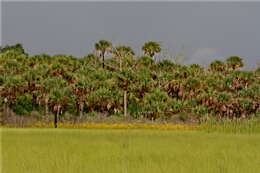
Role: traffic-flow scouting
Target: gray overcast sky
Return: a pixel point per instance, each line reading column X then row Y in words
column 205, row 30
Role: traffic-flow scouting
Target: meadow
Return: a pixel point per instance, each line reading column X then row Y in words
column 127, row 150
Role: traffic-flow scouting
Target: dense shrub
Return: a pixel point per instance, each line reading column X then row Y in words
column 23, row 105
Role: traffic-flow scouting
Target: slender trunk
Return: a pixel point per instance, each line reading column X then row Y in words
column 81, row 107
column 125, row 103
column 6, row 112
column 120, row 63
column 103, row 60
column 56, row 120
column 56, row 116
column 46, row 101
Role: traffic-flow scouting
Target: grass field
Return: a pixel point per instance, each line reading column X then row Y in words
column 127, row 151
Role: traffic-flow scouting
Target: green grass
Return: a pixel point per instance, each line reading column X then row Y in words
column 127, row 151
column 245, row 126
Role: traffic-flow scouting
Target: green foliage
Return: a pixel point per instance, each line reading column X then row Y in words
column 257, row 71
column 199, row 110
column 123, row 51
column 234, row 62
column 253, row 91
column 165, row 65
column 145, row 61
column 23, row 105
column 176, row 105
column 224, row 97
column 217, row 66
column 212, row 82
column 156, row 102
column 192, row 82
column 2, row 80
column 1, row 102
column 103, row 46
column 91, row 58
column 135, row 110
column 17, row 48
column 150, row 48
column 104, row 99
column 60, row 96
column 192, row 102
column 154, row 89
column 246, row 104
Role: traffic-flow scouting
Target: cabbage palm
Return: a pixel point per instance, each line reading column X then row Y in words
column 125, row 78
column 217, row 66
column 80, row 89
column 17, row 48
column 103, row 46
column 234, row 62
column 59, row 97
column 123, row 51
column 150, row 48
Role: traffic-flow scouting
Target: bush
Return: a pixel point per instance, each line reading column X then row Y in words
column 224, row 97
column 192, row 102
column 176, row 105
column 199, row 110
column 156, row 102
column 246, row 104
column 135, row 110
column 23, row 105
column 145, row 60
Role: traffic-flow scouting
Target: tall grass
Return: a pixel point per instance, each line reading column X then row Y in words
column 131, row 151
column 232, row 126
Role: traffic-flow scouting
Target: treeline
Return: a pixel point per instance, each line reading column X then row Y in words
column 113, row 81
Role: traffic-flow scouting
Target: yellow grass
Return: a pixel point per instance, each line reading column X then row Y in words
column 92, row 125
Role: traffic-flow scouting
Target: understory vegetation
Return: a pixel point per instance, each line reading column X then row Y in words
column 114, row 81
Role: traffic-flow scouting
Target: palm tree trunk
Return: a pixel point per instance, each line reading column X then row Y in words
column 56, row 116
column 56, row 120
column 120, row 63
column 103, row 60
column 125, row 103
column 81, row 107
column 6, row 108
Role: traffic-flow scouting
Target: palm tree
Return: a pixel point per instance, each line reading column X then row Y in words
column 18, row 48
column 234, row 62
column 46, row 85
column 217, row 66
column 59, row 97
column 103, row 46
column 123, row 51
column 150, row 48
column 80, row 89
column 125, row 78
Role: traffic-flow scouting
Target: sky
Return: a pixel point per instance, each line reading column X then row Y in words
column 204, row 31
